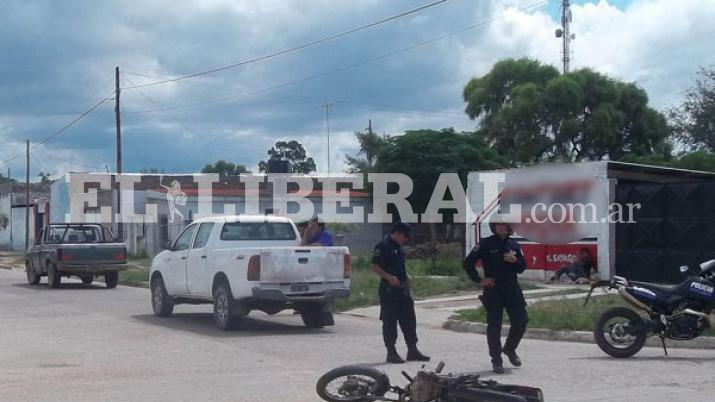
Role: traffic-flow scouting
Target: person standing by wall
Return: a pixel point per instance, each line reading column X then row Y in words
column 502, row 260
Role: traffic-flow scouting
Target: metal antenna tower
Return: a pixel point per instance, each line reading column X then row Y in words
column 565, row 34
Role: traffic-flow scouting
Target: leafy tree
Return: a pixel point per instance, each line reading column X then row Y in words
column 370, row 146
column 698, row 160
column 44, row 177
column 4, row 179
column 424, row 154
column 694, row 119
column 294, row 153
column 224, row 168
column 529, row 113
column 151, row 170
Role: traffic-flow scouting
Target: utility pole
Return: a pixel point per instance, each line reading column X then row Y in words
column 9, row 178
column 565, row 34
column 327, row 106
column 27, row 195
column 118, row 120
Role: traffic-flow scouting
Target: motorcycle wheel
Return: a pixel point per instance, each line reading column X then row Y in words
column 611, row 335
column 353, row 384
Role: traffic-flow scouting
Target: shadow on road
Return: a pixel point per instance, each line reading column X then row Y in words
column 641, row 359
column 203, row 324
column 71, row 285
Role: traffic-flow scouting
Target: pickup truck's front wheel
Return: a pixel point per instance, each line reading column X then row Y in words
column 224, row 308
column 161, row 302
column 111, row 279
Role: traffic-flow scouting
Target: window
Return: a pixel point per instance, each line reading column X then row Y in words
column 258, row 231
column 202, row 236
column 182, row 242
column 54, row 234
column 82, row 235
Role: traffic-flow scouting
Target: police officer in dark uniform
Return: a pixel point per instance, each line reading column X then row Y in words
column 396, row 303
column 502, row 260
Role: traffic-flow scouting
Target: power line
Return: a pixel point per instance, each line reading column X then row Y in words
column 292, row 49
column 60, row 131
column 336, row 70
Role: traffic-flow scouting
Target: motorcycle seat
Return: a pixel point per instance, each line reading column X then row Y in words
column 664, row 290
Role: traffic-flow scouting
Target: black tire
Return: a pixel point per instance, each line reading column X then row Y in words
column 225, row 314
column 53, row 276
column 314, row 317
column 634, row 342
column 33, row 278
column 87, row 280
column 111, row 279
column 380, row 384
column 161, row 302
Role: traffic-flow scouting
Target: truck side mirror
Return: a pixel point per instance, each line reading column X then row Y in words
column 168, row 246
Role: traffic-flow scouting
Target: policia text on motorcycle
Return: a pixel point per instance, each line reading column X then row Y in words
column 502, row 260
column 396, row 303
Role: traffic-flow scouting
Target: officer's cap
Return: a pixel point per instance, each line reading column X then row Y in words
column 499, row 219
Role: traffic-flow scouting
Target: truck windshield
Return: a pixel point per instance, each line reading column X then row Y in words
column 258, row 231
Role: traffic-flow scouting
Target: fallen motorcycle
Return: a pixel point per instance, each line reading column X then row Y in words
column 366, row 384
column 679, row 312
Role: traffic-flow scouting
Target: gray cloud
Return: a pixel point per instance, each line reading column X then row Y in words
column 60, row 53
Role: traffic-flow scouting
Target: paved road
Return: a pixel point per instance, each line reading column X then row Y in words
column 82, row 343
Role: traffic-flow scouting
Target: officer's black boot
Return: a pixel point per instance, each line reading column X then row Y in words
column 393, row 356
column 414, row 355
column 513, row 358
column 498, row 367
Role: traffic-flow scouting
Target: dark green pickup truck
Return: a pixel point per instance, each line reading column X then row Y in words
column 86, row 250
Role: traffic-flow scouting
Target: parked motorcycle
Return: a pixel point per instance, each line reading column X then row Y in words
column 366, row 384
column 679, row 312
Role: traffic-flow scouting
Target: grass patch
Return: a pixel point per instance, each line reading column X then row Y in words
column 561, row 314
column 137, row 271
column 447, row 278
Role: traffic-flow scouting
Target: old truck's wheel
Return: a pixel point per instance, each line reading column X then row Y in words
column 53, row 276
column 87, row 280
column 111, row 279
column 161, row 302
column 32, row 277
column 225, row 315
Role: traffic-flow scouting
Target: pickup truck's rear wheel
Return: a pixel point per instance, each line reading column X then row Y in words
column 32, row 277
column 87, row 280
column 53, row 277
column 224, row 308
column 111, row 279
column 314, row 316
column 161, row 302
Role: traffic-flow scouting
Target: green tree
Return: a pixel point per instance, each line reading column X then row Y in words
column 529, row 113
column 424, row 154
column 697, row 160
column 44, row 177
column 294, row 153
column 370, row 146
column 224, row 168
column 151, row 170
column 694, row 119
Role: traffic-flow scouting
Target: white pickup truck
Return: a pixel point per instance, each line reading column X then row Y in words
column 243, row 263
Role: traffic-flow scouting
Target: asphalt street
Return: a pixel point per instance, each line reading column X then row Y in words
column 88, row 343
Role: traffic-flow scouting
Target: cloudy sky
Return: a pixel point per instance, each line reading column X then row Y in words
column 58, row 61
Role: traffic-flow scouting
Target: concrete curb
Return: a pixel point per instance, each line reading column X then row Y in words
column 572, row 336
